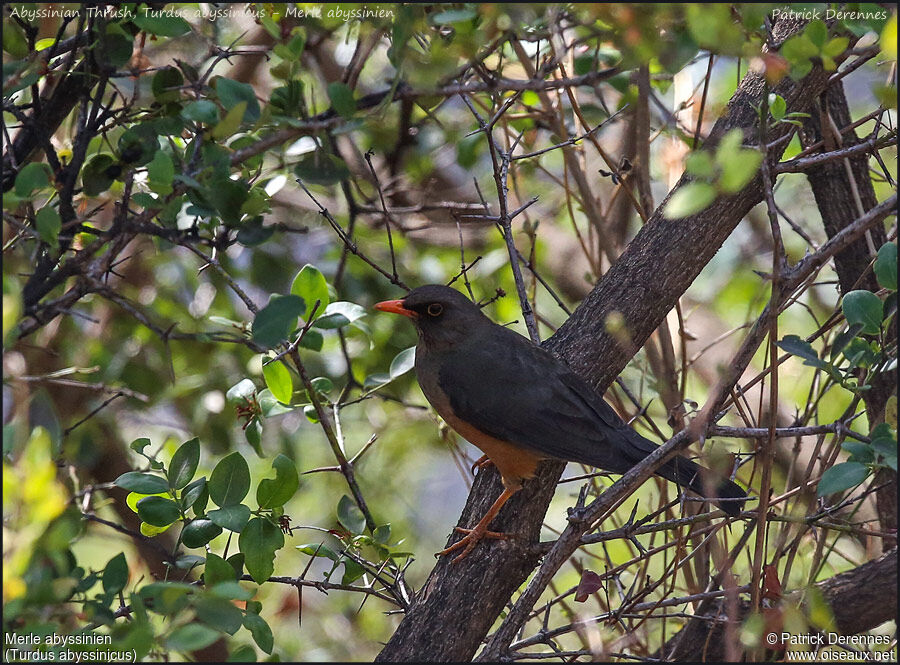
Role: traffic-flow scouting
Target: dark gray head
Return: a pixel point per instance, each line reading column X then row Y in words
column 443, row 316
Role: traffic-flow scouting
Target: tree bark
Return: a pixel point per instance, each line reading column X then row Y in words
column 860, row 599
column 461, row 601
column 835, row 195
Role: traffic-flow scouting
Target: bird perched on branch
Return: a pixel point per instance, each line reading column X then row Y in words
column 520, row 404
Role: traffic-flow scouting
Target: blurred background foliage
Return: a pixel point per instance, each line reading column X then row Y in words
column 162, row 331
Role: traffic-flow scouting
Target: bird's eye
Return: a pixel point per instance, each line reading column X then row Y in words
column 435, row 309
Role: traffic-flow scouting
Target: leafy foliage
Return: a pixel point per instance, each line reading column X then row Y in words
column 165, row 175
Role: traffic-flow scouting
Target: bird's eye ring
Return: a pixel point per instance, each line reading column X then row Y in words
column 435, row 309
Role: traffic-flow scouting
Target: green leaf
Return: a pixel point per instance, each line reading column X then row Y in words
column 738, row 169
column 275, row 493
column 196, row 494
column 297, row 42
column 14, row 41
column 96, row 176
column 115, row 575
column 859, row 451
column 230, row 480
column 35, row 175
column 403, row 362
column 700, row 164
column 20, row 75
column 583, row 64
column 259, row 541
column 350, row 516
column 315, row 549
column 375, row 380
column 817, row 32
column 138, row 445
column 886, row 266
column 288, row 99
column 143, row 483
column 798, row 50
column 690, row 199
column 310, row 285
column 242, row 654
column 712, row 26
column 191, row 637
column 270, row 406
column 188, row 561
column 450, row 16
column 339, row 314
column 199, row 532
column 138, row 145
column 352, row 571
column 341, row 97
column 887, row 450
column 841, row 477
column 160, row 173
column 257, row 203
column 260, row 631
column 231, row 122
column 162, row 24
column 835, row 47
column 859, row 353
column 882, row 430
column 166, row 84
column 217, row 570
column 467, row 150
column 863, row 307
column 382, row 534
column 218, row 613
column 166, row 598
column 729, row 145
column 253, row 232
column 275, row 321
column 202, row 110
column 884, row 443
column 48, row 224
column 321, row 168
column 231, row 93
column 253, row 434
column 133, row 497
column 800, row 347
column 312, row 340
column 227, row 196
column 843, row 339
column 232, row 590
column 278, row 380
column 236, row 561
column 322, row 384
column 234, row 517
column 777, row 106
column 184, row 464
column 157, row 511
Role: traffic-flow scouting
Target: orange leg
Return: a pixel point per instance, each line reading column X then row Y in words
column 482, row 462
column 481, row 529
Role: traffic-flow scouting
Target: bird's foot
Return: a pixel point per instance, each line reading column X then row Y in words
column 481, row 463
column 468, row 542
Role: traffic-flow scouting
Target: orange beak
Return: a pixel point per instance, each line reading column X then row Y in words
column 395, row 307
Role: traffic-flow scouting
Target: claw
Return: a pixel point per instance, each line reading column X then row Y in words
column 481, row 463
column 481, row 529
column 468, row 542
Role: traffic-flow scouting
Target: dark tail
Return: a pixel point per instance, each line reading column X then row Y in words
column 687, row 474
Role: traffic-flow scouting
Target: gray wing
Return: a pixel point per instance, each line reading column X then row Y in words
column 525, row 395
